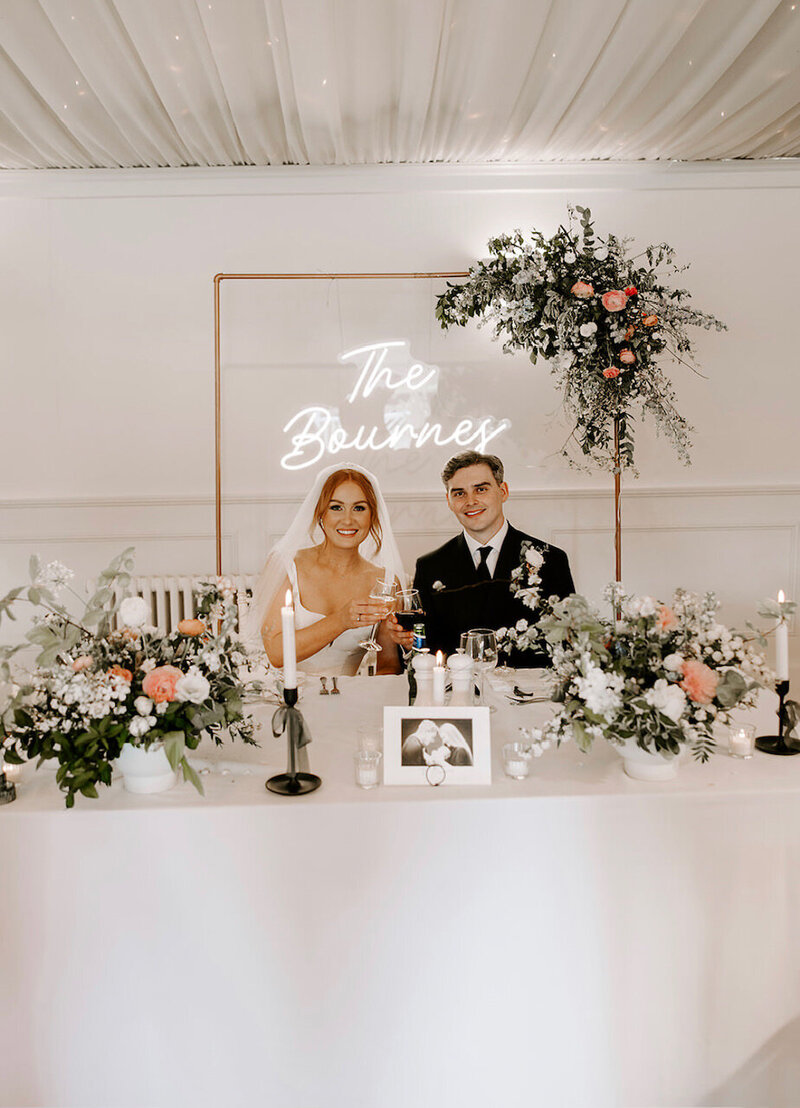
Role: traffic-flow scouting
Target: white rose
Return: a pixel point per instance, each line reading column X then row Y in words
column 534, row 557
column 192, row 687
column 143, row 705
column 668, row 699
column 588, row 329
column 133, row 611
column 569, row 257
column 601, row 255
column 673, row 662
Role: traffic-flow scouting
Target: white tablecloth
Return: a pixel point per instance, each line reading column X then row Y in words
column 574, row 939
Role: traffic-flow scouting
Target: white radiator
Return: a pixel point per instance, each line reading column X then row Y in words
column 171, row 598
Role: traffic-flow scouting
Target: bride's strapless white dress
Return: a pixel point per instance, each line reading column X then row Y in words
column 343, row 655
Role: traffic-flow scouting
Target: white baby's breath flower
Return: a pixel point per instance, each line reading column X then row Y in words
column 147, row 665
column 587, row 329
column 133, row 611
column 162, row 707
column 53, row 576
column 437, row 586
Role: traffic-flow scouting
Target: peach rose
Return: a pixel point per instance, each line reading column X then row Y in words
column 650, row 320
column 160, row 683
column 614, row 301
column 631, row 290
column 84, row 662
column 699, row 681
column 666, row 618
column 191, row 627
column 627, row 357
column 612, row 371
column 582, row 289
column 120, row 671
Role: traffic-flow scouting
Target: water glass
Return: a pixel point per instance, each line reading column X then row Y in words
column 367, row 766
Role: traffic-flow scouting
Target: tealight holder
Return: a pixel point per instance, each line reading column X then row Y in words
column 517, row 760
column 742, row 740
column 367, row 768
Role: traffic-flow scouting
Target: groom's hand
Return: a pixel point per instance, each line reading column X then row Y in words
column 402, row 638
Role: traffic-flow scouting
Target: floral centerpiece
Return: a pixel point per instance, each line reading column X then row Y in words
column 660, row 676
column 106, row 678
column 604, row 317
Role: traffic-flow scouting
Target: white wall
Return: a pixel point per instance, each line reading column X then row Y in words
column 107, row 356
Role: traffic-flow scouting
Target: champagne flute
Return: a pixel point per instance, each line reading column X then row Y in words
column 481, row 647
column 382, row 593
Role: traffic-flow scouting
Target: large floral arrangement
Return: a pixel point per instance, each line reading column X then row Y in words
column 604, row 317
column 661, row 675
column 95, row 686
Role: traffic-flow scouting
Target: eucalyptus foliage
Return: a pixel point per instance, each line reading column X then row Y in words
column 550, row 298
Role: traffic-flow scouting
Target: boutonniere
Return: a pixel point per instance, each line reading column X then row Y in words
column 526, row 581
column 437, row 586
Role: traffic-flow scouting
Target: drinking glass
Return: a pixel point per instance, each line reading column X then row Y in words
column 408, row 608
column 383, row 592
column 481, row 647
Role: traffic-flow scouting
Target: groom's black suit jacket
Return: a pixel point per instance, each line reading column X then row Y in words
column 461, row 601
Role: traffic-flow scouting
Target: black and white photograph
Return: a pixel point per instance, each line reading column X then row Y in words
column 430, row 745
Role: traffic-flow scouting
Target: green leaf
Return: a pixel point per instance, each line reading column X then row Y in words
column 731, row 688
column 34, row 596
column 174, row 747
column 34, row 566
column 190, row 775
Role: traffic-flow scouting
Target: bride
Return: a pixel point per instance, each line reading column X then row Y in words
column 332, row 579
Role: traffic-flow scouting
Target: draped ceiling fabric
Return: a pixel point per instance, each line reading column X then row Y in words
column 130, row 83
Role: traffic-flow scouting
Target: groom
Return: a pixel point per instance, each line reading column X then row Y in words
column 465, row 583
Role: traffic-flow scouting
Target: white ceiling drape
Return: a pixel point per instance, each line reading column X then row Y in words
column 109, row 83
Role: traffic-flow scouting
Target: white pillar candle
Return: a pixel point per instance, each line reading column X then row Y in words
column 782, row 646
column 289, row 645
column 438, row 679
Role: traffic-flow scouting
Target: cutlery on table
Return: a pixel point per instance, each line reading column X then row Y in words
column 335, row 689
column 324, row 690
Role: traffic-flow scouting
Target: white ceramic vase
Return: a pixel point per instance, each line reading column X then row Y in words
column 644, row 765
column 146, row 771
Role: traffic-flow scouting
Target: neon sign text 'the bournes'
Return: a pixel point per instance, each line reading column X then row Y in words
column 316, row 430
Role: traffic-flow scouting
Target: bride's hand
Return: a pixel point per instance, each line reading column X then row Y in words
column 362, row 613
column 397, row 634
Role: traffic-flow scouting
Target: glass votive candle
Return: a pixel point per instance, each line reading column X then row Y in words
column 742, row 740
column 367, row 763
column 517, row 760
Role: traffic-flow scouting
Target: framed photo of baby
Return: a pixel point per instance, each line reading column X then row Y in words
column 426, row 745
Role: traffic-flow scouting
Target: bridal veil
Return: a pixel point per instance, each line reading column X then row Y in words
column 300, row 534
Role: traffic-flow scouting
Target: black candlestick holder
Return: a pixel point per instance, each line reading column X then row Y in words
column 289, row 720
column 8, row 790
column 776, row 744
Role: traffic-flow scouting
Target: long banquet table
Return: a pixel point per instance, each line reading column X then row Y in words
column 577, row 938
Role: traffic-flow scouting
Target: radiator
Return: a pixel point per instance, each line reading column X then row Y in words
column 171, row 598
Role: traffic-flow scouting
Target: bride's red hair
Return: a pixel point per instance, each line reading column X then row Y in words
column 332, row 484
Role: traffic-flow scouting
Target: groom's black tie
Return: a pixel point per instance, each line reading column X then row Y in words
column 483, row 569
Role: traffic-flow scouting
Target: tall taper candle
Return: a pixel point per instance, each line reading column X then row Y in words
column 782, row 645
column 438, row 679
column 289, row 645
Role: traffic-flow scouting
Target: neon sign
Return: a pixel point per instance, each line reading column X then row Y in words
column 317, row 430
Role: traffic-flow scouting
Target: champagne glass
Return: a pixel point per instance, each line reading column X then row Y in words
column 382, row 593
column 481, row 647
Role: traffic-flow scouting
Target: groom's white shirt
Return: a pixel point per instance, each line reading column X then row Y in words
column 496, row 541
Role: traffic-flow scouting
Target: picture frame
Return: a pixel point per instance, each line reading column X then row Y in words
column 427, row 745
